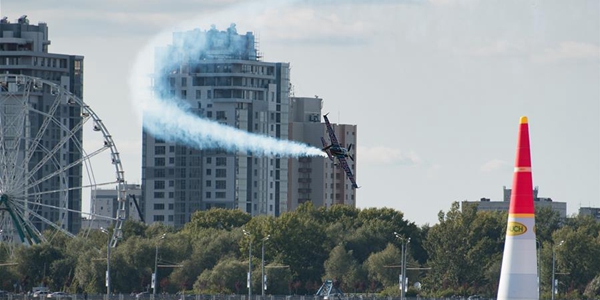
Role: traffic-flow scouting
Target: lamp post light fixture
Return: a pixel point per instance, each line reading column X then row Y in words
column 553, row 268
column 263, row 277
column 104, row 230
column 249, row 278
column 403, row 282
column 155, row 274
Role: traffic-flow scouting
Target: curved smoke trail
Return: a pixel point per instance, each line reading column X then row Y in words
column 172, row 120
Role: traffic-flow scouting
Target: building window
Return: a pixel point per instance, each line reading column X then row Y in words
column 158, row 150
column 209, row 160
column 208, row 183
column 170, row 218
column 171, row 195
column 221, row 115
column 183, row 81
column 159, row 206
column 159, row 195
column 159, row 218
column 159, row 173
column 220, row 195
column 209, row 114
column 171, row 149
column 221, row 161
column 159, row 185
column 208, row 171
column 171, row 160
column 220, row 184
column 270, row 207
column 208, row 195
column 159, row 161
column 170, row 206
column 198, row 96
column 221, row 173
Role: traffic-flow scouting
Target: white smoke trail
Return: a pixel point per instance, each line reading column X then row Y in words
column 171, row 120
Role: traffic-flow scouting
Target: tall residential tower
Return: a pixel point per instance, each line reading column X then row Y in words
column 24, row 51
column 317, row 179
column 223, row 79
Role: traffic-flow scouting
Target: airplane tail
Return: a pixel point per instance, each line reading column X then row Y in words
column 350, row 155
column 325, row 148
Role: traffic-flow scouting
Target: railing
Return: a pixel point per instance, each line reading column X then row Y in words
column 215, row 297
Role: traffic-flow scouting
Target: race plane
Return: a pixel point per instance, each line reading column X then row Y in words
column 335, row 150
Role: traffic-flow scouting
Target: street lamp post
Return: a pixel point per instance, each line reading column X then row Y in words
column 249, row 284
column 264, row 279
column 403, row 266
column 553, row 268
column 155, row 275
column 104, row 230
column 539, row 267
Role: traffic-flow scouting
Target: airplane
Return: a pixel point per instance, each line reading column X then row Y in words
column 335, row 150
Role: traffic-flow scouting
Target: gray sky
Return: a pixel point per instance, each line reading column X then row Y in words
column 436, row 87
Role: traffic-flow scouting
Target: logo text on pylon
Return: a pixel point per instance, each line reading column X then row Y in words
column 515, row 228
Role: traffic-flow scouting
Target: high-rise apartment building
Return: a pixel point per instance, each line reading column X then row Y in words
column 225, row 81
column 24, row 51
column 317, row 179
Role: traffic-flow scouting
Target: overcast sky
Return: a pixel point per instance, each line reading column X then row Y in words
column 436, row 87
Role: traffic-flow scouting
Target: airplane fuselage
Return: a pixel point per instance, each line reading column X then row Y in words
column 339, row 151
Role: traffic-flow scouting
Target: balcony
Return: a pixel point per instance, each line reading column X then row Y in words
column 305, row 170
column 304, row 180
column 305, row 159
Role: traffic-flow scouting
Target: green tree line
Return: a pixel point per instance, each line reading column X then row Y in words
column 357, row 248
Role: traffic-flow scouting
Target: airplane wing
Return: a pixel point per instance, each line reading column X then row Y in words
column 332, row 137
column 346, row 168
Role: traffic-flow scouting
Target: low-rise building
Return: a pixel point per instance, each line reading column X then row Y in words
column 485, row 204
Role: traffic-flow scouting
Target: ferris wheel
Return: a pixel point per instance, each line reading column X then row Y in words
column 46, row 171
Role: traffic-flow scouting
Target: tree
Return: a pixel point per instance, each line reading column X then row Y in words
column 208, row 247
column 382, row 266
column 299, row 240
column 228, row 276
column 35, row 262
column 476, row 238
column 7, row 274
column 279, row 278
column 217, row 218
column 547, row 221
column 592, row 290
column 343, row 268
column 578, row 257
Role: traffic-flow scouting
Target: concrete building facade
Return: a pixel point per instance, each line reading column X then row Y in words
column 594, row 212
column 226, row 82
column 24, row 51
column 106, row 206
column 317, row 179
column 485, row 204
